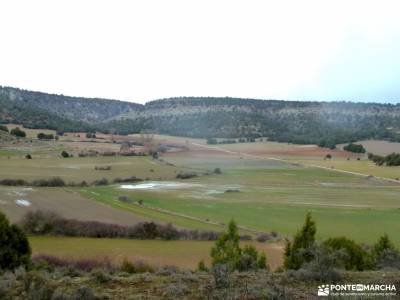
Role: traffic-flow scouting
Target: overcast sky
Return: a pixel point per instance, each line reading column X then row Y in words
column 145, row 50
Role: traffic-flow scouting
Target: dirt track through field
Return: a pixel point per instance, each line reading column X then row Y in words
column 291, row 162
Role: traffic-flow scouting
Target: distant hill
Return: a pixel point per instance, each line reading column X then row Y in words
column 33, row 117
column 73, row 108
column 323, row 123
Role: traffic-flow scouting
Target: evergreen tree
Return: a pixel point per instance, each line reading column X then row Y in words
column 228, row 252
column 385, row 254
column 297, row 253
column 226, row 249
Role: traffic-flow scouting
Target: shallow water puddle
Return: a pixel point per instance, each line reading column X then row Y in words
column 22, row 202
column 19, row 192
column 153, row 185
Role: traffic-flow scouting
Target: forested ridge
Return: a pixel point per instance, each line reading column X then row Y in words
column 89, row 110
column 303, row 122
column 34, row 117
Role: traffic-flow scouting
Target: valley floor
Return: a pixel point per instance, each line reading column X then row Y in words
column 265, row 186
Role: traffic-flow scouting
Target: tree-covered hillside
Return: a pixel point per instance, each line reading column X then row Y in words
column 323, row 123
column 286, row 121
column 33, row 117
column 74, row 108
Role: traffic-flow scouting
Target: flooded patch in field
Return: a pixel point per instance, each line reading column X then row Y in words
column 198, row 194
column 212, row 191
column 154, row 185
column 19, row 192
column 22, row 202
column 73, row 167
column 327, row 184
column 208, row 192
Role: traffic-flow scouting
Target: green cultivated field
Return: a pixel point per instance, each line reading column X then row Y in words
column 5, row 153
column 266, row 195
column 109, row 197
column 185, row 254
column 276, row 199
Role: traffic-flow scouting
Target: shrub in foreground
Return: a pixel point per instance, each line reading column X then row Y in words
column 388, row 259
column 296, row 252
column 14, row 246
column 323, row 268
column 138, row 266
column 38, row 285
column 82, row 264
column 201, row 266
column 251, row 260
column 355, row 258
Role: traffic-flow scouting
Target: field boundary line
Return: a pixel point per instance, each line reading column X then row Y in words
column 168, row 212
